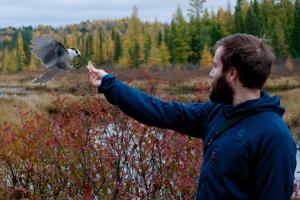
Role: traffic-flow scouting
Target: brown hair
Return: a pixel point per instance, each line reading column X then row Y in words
column 251, row 56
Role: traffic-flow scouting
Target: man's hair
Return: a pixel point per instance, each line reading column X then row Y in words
column 251, row 56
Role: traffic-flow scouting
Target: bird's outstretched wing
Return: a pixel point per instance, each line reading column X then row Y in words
column 48, row 50
column 47, row 76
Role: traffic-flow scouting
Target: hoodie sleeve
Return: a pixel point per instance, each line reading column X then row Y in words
column 183, row 118
column 274, row 175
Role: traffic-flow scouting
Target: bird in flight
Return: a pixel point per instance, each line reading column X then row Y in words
column 54, row 56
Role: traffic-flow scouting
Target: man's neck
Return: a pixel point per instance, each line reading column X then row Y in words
column 245, row 94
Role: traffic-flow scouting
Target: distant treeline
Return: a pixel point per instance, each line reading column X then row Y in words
column 187, row 40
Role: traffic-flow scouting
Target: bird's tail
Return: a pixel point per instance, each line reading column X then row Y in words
column 47, row 76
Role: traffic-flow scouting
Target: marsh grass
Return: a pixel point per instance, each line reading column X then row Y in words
column 182, row 84
column 282, row 83
column 290, row 101
column 40, row 103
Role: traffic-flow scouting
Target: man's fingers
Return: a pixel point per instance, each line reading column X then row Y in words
column 91, row 67
column 92, row 74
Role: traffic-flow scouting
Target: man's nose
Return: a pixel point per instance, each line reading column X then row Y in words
column 211, row 73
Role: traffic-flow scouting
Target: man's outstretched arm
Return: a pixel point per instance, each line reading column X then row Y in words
column 184, row 118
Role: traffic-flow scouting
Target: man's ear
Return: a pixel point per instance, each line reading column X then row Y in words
column 232, row 74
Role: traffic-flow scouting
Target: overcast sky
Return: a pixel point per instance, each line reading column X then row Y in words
column 18, row 13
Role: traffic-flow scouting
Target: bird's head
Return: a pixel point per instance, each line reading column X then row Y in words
column 74, row 52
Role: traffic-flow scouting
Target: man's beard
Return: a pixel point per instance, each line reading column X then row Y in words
column 221, row 91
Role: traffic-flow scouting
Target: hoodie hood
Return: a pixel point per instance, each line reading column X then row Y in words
column 264, row 103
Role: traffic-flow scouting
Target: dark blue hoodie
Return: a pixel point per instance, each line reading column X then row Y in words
column 254, row 159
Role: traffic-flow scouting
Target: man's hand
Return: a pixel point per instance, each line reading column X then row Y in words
column 95, row 75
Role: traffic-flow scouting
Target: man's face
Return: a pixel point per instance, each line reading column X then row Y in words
column 221, row 91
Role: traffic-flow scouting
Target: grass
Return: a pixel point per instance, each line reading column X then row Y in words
column 290, row 101
column 41, row 103
column 181, row 84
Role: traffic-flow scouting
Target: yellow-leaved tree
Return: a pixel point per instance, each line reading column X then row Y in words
column 206, row 57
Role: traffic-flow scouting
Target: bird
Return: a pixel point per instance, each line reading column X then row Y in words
column 54, row 56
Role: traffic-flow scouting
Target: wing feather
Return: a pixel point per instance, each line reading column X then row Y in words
column 48, row 50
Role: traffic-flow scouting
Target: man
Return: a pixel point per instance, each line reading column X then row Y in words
column 254, row 157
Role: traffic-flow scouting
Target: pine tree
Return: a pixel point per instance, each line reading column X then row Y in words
column 88, row 46
column 278, row 40
column 117, row 46
column 134, row 40
column 108, row 47
column 195, row 10
column 97, row 50
column 147, row 48
column 9, row 64
column 238, row 17
column 206, row 57
column 250, row 22
column 1, row 60
column 225, row 21
column 181, row 39
column 27, row 37
column 296, row 30
column 216, row 32
column 20, row 54
column 133, row 52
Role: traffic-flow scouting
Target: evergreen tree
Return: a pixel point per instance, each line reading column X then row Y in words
column 135, row 40
column 97, row 50
column 195, row 10
column 278, row 40
column 181, row 39
column 251, row 25
column 88, row 46
column 9, row 61
column 27, row 37
column 108, row 49
column 147, row 48
column 117, row 47
column 134, row 55
column 239, row 19
column 1, row 60
column 216, row 33
column 159, row 38
column 225, row 21
column 169, row 40
column 253, row 20
column 296, row 30
column 20, row 54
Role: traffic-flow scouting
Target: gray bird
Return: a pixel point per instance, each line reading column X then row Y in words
column 53, row 55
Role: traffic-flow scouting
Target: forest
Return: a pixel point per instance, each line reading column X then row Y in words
column 186, row 41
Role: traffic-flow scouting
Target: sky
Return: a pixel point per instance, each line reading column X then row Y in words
column 17, row 13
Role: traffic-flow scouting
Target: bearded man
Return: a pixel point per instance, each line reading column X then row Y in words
column 249, row 152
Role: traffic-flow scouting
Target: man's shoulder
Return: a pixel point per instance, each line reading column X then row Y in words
column 271, row 127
